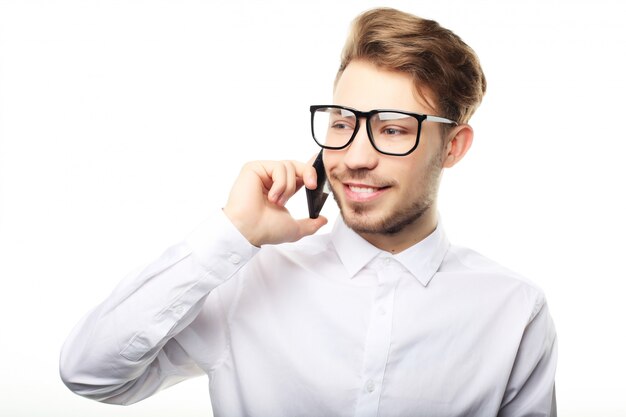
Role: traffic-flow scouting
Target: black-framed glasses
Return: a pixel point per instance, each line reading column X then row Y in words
column 391, row 132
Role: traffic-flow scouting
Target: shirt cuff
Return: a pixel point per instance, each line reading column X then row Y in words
column 217, row 240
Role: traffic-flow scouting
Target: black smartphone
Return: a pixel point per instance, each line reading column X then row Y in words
column 316, row 198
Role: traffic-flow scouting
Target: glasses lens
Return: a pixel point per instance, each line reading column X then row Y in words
column 333, row 127
column 394, row 133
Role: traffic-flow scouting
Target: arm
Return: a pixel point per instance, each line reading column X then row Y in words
column 530, row 390
column 127, row 349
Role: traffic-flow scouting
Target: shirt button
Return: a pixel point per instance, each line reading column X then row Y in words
column 386, row 261
column 370, row 386
column 234, row 259
column 382, row 311
column 178, row 310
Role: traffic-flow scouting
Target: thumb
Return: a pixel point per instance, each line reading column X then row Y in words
column 309, row 226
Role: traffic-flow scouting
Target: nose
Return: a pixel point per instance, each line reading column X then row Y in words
column 361, row 154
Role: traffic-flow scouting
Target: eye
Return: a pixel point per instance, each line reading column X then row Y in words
column 338, row 122
column 393, row 131
column 394, row 125
column 340, row 125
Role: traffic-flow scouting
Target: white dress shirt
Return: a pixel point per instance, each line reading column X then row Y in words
column 327, row 326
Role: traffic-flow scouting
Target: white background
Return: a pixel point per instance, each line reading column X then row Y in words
column 124, row 123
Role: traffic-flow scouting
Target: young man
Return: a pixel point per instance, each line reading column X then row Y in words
column 380, row 317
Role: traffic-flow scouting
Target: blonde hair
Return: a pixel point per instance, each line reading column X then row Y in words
column 436, row 58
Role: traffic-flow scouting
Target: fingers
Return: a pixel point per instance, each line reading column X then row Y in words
column 278, row 174
column 310, row 226
column 287, row 177
column 290, row 187
column 309, row 174
column 256, row 202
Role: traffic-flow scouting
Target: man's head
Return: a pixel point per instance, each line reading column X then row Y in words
column 441, row 65
column 393, row 60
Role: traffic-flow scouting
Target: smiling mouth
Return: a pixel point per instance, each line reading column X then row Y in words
column 363, row 193
column 363, row 189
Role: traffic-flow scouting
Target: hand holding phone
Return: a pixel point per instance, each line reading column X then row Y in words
column 316, row 198
column 256, row 203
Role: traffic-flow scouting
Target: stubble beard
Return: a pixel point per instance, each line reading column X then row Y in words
column 357, row 218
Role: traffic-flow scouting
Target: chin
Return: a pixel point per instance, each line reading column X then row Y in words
column 387, row 227
column 364, row 220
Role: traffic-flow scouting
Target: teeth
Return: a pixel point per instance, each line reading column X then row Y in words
column 362, row 189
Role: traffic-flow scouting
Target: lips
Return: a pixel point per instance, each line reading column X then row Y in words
column 360, row 189
column 363, row 192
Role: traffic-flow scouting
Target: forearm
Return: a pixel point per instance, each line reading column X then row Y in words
column 125, row 350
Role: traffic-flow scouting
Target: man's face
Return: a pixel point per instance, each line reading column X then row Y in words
column 381, row 194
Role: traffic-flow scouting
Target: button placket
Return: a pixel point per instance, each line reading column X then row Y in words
column 378, row 340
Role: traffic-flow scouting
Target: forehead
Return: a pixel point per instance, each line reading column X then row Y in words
column 365, row 86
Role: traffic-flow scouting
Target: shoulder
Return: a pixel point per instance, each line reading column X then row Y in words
column 476, row 269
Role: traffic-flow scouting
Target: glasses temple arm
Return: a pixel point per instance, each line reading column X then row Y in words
column 438, row 119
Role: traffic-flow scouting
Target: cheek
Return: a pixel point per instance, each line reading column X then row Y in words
column 331, row 160
column 410, row 174
column 409, row 166
column 431, row 139
column 407, row 178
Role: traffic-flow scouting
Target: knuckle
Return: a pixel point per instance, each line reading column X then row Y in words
column 252, row 166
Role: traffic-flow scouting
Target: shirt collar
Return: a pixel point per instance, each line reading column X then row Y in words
column 422, row 260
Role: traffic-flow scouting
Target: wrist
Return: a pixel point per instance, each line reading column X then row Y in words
column 243, row 226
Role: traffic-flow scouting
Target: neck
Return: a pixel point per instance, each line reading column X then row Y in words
column 411, row 234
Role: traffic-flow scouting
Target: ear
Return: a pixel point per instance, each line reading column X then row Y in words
column 461, row 140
